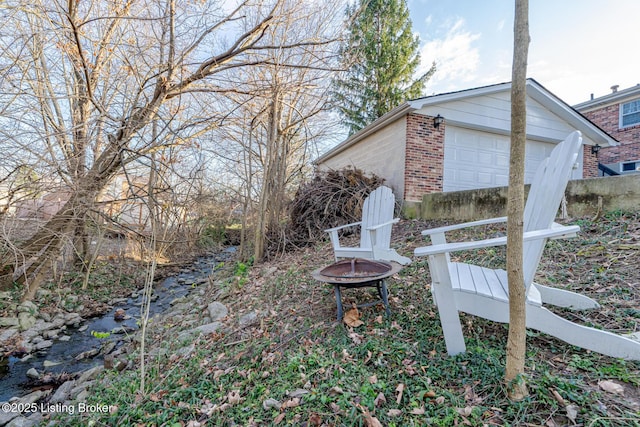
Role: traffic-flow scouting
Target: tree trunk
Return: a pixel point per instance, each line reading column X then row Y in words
column 268, row 203
column 27, row 266
column 516, row 343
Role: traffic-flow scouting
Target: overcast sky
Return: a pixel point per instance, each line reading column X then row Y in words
column 578, row 47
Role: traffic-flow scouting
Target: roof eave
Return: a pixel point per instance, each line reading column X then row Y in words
column 570, row 114
column 612, row 98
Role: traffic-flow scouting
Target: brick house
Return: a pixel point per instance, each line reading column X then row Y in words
column 618, row 113
column 460, row 141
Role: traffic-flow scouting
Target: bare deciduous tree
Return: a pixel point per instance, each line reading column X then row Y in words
column 281, row 110
column 84, row 81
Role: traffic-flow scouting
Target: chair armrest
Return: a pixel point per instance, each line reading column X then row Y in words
column 384, row 224
column 329, row 230
column 463, row 225
column 556, row 232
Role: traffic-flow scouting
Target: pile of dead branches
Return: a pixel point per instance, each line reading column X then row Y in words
column 330, row 199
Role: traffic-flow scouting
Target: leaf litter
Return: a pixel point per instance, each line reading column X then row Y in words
column 297, row 317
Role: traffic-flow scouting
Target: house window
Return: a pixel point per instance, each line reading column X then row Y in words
column 630, row 113
column 628, row 166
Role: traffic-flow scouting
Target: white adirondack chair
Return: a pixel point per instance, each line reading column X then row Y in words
column 484, row 292
column 375, row 230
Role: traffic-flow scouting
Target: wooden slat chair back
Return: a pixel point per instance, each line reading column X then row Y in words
column 375, row 230
column 544, row 198
column 377, row 209
column 484, row 292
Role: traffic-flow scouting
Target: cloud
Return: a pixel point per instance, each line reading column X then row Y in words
column 457, row 60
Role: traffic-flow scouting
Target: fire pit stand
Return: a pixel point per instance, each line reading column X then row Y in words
column 358, row 273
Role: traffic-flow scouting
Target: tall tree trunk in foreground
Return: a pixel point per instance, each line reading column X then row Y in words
column 516, row 343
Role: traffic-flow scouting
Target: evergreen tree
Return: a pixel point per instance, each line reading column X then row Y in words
column 380, row 57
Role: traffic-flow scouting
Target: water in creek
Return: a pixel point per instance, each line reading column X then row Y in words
column 13, row 372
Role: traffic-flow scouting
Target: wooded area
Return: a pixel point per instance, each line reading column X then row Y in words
column 114, row 112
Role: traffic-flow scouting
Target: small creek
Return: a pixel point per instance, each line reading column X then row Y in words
column 61, row 356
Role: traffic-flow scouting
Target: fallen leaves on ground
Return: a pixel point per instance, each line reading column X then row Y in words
column 352, row 318
column 399, row 390
column 379, row 400
column 611, row 387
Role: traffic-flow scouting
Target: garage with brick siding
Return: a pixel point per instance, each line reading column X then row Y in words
column 470, row 149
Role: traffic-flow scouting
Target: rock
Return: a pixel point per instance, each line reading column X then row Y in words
column 83, row 328
column 52, row 334
column 48, row 363
column 8, row 322
column 88, row 354
column 32, row 397
column 109, row 362
column 6, row 417
column 177, row 300
column 64, row 338
column 28, row 307
column 45, row 316
column 124, row 329
column 82, row 396
column 26, row 320
column 5, row 295
column 33, row 373
column 41, row 325
column 217, row 311
column 33, row 420
column 5, row 335
column 108, row 347
column 209, row 328
column 42, row 345
column 72, row 319
column 58, row 321
column 119, row 315
column 120, row 365
column 77, row 391
column 186, row 351
column 117, row 301
column 90, row 374
column 247, row 319
column 42, row 293
column 62, row 393
column 182, row 306
column 30, row 334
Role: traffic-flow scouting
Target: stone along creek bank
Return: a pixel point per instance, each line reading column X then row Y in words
column 58, row 376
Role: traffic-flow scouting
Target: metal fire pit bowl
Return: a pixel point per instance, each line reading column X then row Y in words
column 358, row 273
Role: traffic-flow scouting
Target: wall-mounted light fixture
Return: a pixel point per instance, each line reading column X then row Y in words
column 595, row 149
column 437, row 121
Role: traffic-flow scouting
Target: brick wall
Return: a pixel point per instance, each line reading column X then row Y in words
column 608, row 118
column 589, row 162
column 424, row 157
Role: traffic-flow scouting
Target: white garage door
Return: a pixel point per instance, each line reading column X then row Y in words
column 475, row 159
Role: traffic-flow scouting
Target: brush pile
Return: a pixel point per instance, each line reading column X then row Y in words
column 330, row 199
